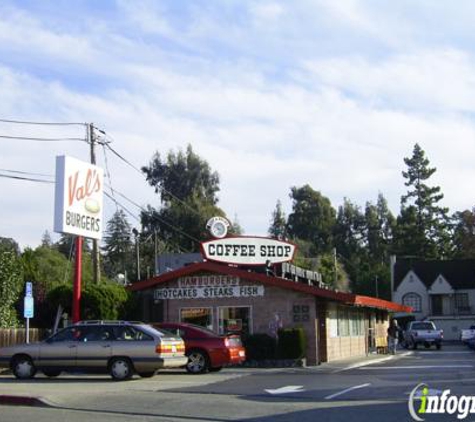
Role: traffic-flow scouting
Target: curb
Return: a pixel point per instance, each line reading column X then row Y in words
column 6, row 399
column 373, row 362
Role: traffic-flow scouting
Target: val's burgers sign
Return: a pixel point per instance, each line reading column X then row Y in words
column 248, row 250
column 78, row 198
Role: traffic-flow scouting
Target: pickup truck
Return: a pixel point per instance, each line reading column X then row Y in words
column 466, row 335
column 423, row 332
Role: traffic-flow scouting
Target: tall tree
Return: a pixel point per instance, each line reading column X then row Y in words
column 312, row 218
column 423, row 225
column 379, row 222
column 278, row 224
column 188, row 194
column 118, row 246
column 464, row 234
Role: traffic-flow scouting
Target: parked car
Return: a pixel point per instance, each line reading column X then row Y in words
column 119, row 348
column 423, row 332
column 469, row 334
column 206, row 350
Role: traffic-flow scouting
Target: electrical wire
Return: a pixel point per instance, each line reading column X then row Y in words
column 109, row 176
column 181, row 201
column 24, row 122
column 29, row 179
column 27, row 173
column 26, row 138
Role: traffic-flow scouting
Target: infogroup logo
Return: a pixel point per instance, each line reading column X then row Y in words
column 438, row 402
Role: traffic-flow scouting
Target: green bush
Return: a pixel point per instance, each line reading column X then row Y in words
column 260, row 346
column 98, row 301
column 291, row 343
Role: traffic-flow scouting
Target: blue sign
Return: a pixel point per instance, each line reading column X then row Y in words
column 29, row 289
column 29, row 307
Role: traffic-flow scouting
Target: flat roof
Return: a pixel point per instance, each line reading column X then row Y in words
column 342, row 297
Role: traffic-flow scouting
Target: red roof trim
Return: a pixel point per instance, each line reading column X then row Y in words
column 347, row 298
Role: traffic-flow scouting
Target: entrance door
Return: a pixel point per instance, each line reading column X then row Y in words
column 322, row 332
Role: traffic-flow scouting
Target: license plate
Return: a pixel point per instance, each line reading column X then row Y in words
column 173, row 349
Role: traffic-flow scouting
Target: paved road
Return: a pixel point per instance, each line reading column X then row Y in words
column 379, row 391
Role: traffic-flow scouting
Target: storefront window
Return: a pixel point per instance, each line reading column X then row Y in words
column 235, row 320
column 198, row 316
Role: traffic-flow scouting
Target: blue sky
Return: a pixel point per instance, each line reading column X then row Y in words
column 273, row 94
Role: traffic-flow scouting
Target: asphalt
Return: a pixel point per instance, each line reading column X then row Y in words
column 25, row 393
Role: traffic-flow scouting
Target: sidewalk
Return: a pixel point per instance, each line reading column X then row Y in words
column 360, row 361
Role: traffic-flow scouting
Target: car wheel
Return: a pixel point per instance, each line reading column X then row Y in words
column 216, row 369
column 197, row 362
column 439, row 346
column 23, row 367
column 121, row 369
column 147, row 374
column 427, row 345
column 51, row 372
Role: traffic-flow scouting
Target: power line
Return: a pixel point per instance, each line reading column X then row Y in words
column 26, row 138
column 29, row 179
column 27, row 173
column 158, row 218
column 181, row 201
column 24, row 122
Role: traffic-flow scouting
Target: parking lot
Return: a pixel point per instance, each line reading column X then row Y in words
column 376, row 387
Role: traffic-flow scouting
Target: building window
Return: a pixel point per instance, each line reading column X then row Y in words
column 413, row 300
column 197, row 316
column 462, row 304
column 301, row 313
column 234, row 320
column 343, row 322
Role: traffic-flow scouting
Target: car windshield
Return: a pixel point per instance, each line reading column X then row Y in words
column 423, row 326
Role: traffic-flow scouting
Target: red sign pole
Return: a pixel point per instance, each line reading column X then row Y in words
column 77, row 281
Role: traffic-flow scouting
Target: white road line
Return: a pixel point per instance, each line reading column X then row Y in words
column 419, row 367
column 438, row 352
column 372, row 362
column 356, row 387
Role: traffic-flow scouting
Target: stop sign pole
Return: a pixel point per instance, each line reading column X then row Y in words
column 77, row 281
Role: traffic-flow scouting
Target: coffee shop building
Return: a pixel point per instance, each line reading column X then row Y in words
column 249, row 299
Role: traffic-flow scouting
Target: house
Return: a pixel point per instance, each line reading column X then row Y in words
column 442, row 291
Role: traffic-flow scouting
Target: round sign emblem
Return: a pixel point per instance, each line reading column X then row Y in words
column 218, row 227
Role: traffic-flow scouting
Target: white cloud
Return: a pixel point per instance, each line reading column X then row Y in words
column 340, row 122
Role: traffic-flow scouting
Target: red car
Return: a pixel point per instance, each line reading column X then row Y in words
column 206, row 350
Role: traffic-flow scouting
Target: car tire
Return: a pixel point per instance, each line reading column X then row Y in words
column 146, row 374
column 121, row 369
column 427, row 345
column 438, row 346
column 51, row 372
column 215, row 369
column 23, row 367
column 198, row 362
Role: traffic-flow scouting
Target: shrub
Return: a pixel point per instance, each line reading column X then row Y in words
column 292, row 343
column 260, row 346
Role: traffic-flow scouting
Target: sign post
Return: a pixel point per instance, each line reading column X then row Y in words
column 28, row 307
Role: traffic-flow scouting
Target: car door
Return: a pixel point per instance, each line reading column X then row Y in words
column 59, row 351
column 94, row 347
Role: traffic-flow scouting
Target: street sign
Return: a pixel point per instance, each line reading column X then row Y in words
column 29, row 289
column 29, row 306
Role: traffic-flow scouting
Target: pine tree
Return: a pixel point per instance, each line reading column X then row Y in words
column 118, row 245
column 423, row 225
column 278, row 224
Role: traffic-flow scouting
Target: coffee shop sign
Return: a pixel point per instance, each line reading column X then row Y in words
column 246, row 250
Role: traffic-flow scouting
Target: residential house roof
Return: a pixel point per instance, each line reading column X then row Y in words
column 459, row 273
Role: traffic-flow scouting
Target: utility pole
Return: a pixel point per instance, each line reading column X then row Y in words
column 96, row 271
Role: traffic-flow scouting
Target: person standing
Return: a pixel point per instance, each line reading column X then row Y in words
column 393, row 333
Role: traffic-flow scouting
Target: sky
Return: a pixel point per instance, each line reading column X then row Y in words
column 273, row 94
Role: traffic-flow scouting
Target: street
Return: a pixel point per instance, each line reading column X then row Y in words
column 379, row 390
